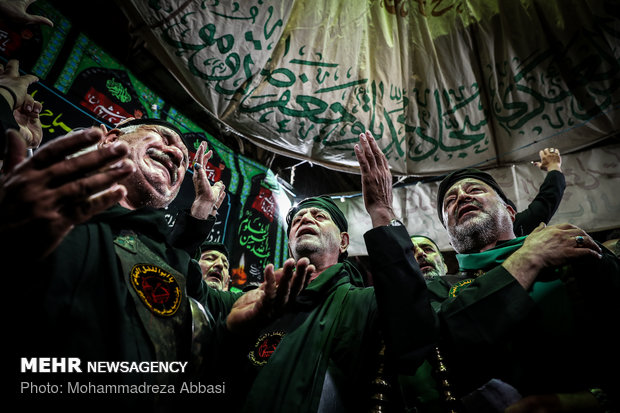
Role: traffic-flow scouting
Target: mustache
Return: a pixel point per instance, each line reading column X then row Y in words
column 463, row 204
column 166, row 160
column 215, row 275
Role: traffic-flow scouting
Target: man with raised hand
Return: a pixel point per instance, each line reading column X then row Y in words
column 108, row 288
column 319, row 351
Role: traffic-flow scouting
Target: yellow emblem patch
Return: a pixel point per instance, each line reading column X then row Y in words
column 157, row 288
column 458, row 286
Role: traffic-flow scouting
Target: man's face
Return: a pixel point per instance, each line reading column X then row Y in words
column 429, row 258
column 161, row 160
column 313, row 231
column 214, row 266
column 475, row 215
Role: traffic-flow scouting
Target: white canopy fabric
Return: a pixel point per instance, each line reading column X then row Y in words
column 441, row 84
column 591, row 200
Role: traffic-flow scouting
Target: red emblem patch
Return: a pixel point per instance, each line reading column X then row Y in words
column 264, row 347
column 157, row 288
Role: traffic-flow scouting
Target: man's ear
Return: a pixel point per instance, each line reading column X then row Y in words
column 344, row 241
column 110, row 136
column 512, row 212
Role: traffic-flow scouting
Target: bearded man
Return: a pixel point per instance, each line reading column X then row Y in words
column 533, row 312
column 111, row 289
column 428, row 257
column 214, row 265
column 320, row 352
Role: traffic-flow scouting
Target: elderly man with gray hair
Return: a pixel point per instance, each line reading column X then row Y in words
column 533, row 312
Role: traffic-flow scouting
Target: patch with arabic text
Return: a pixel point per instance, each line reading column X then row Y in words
column 456, row 287
column 264, row 347
column 157, row 288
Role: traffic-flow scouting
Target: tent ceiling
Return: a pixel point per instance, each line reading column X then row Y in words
column 308, row 178
column 484, row 122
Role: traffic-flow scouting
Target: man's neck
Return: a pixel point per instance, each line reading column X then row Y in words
column 501, row 238
column 320, row 265
column 491, row 245
column 316, row 274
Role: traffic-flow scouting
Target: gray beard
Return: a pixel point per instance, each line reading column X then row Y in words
column 471, row 237
column 305, row 249
column 145, row 198
column 466, row 239
column 214, row 284
column 432, row 274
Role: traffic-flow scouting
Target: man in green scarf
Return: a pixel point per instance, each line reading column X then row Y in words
column 534, row 312
column 320, row 352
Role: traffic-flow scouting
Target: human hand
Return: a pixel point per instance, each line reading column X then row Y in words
column 556, row 245
column 279, row 290
column 208, row 197
column 550, row 246
column 376, row 180
column 550, row 160
column 44, row 196
column 12, row 81
column 14, row 12
column 27, row 117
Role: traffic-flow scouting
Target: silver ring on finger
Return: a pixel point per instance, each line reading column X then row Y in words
column 197, row 166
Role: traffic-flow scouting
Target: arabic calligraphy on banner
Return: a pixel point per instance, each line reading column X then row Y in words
column 590, row 200
column 442, row 84
column 91, row 88
column 259, row 238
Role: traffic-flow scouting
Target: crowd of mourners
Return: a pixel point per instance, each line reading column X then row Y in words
column 95, row 273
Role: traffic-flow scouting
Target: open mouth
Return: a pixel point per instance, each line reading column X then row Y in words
column 465, row 209
column 215, row 274
column 424, row 266
column 306, row 230
column 166, row 161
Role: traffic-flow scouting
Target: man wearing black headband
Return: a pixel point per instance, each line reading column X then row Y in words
column 214, row 265
column 113, row 289
column 428, row 257
column 543, row 206
column 533, row 311
column 319, row 353
column 160, row 158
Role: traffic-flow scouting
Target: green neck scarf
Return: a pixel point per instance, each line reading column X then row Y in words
column 354, row 276
column 490, row 258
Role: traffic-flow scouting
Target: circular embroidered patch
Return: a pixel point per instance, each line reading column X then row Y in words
column 264, row 347
column 157, row 288
column 458, row 286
